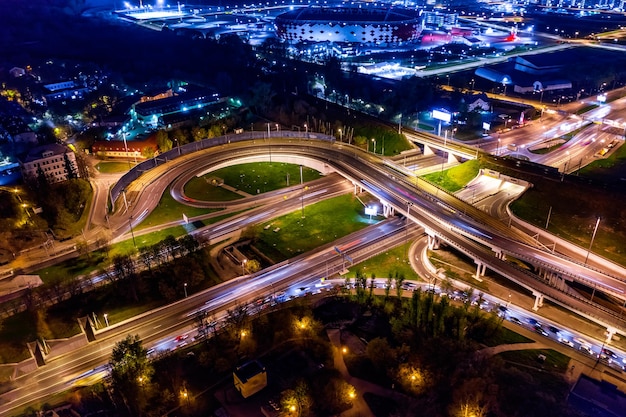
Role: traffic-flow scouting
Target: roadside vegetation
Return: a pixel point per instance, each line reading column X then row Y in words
column 455, row 178
column 252, row 178
column 322, row 223
column 420, row 350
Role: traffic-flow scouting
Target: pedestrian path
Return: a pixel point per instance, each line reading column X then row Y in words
column 360, row 407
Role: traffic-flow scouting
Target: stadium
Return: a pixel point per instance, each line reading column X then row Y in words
column 367, row 25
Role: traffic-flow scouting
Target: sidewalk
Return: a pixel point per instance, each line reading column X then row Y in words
column 360, row 407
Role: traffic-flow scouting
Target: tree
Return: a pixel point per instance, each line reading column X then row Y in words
column 253, row 266
column 130, row 369
column 382, row 355
column 399, row 280
column 163, row 141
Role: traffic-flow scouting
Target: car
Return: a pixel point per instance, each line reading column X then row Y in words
column 566, row 341
column 553, row 329
column 540, row 330
column 581, row 341
column 503, row 309
column 515, row 320
column 532, row 321
column 609, row 353
column 585, row 349
column 605, row 358
column 181, row 337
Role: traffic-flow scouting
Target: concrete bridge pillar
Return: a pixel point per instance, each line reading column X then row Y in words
column 387, row 209
column 452, row 159
column 538, row 301
column 500, row 255
column 610, row 332
column 433, row 242
column 428, row 150
column 357, row 188
column 481, row 268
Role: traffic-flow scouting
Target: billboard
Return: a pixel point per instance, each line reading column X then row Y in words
column 442, row 115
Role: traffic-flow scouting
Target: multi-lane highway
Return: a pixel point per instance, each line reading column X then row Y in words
column 452, row 220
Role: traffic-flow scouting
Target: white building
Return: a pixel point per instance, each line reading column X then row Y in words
column 54, row 161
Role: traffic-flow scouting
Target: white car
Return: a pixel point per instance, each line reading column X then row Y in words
column 586, row 349
column 566, row 342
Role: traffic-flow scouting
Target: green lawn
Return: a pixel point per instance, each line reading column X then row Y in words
column 199, row 188
column 324, row 222
column 392, row 261
column 555, row 361
column 455, row 178
column 607, row 169
column 169, row 210
column 253, row 178
column 113, row 167
column 504, row 336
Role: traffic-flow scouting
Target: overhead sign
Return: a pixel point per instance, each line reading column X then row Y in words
column 442, row 115
column 602, row 98
column 486, row 126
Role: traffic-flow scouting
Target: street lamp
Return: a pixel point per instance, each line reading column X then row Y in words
column 243, row 266
column 473, row 83
column 306, row 128
column 340, row 135
column 126, row 147
column 374, row 141
column 593, row 236
column 505, row 81
column 177, row 145
column 185, row 287
column 130, row 224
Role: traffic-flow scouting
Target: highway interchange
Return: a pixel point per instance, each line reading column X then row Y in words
column 455, row 221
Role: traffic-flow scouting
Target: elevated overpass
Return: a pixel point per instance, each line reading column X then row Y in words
column 447, row 219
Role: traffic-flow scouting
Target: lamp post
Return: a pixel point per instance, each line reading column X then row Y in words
column 243, row 266
column 177, row 145
column 301, row 193
column 593, row 236
column 473, row 83
column 374, row 150
column 126, row 148
column 340, row 135
column 306, row 128
column 130, row 224
column 185, row 287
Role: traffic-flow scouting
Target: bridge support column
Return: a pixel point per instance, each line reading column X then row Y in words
column 538, row 301
column 481, row 268
column 357, row 189
column 500, row 255
column 452, row 159
column 610, row 332
column 433, row 242
column 387, row 209
column 428, row 150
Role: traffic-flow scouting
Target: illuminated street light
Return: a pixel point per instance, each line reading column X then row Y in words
column 185, row 287
column 243, row 266
column 593, row 236
column 374, row 141
column 505, row 81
